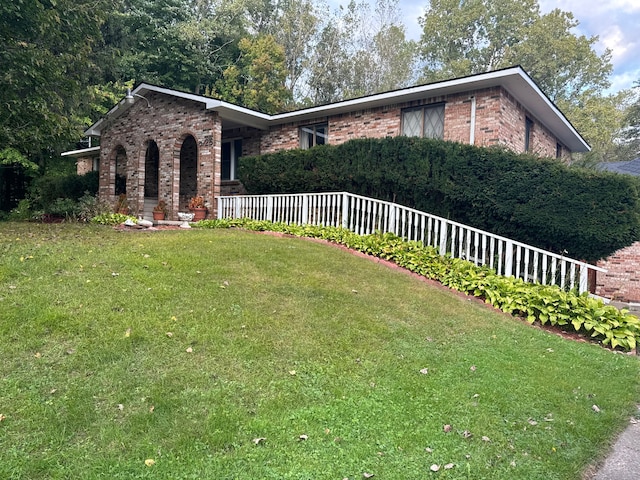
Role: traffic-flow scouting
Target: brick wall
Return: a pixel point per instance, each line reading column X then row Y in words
column 167, row 121
column 622, row 281
column 500, row 120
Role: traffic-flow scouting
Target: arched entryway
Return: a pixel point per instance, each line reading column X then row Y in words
column 188, row 171
column 120, row 183
column 151, row 177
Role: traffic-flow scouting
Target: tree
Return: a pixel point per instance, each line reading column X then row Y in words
column 46, row 63
column 257, row 79
column 475, row 36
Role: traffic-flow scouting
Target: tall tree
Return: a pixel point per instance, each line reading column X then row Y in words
column 257, row 79
column 463, row 37
column 46, row 64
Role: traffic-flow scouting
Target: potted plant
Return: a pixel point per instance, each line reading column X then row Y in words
column 196, row 205
column 122, row 205
column 160, row 210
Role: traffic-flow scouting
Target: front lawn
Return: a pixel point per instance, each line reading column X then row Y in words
column 230, row 355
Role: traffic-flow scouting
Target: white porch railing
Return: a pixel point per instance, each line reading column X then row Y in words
column 364, row 216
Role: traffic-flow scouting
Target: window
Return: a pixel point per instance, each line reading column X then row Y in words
column 427, row 121
column 313, row 135
column 528, row 127
column 231, row 151
column 558, row 150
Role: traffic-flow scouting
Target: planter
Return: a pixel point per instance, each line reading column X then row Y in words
column 199, row 213
column 158, row 215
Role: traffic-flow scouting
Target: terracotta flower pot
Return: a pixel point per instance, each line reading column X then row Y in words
column 158, row 215
column 199, row 214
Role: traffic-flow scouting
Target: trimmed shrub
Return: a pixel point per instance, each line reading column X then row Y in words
column 583, row 213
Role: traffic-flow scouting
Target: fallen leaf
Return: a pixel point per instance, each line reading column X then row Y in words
column 449, row 466
column 189, row 350
column 71, row 351
column 292, row 372
column 475, row 395
column 595, row 408
column 127, row 334
column 169, row 334
column 447, row 428
column 354, row 291
column 53, row 390
column 513, row 463
column 434, row 468
column 467, row 434
column 473, row 368
column 37, row 355
column 428, row 450
column 424, row 371
column 149, row 462
column 151, row 409
column 2, row 417
column 303, row 437
column 532, row 422
column 115, row 274
column 120, row 407
column 368, row 475
column 485, row 439
column 259, row 440
column 327, row 431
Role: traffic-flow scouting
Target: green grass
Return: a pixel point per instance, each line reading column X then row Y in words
column 287, row 338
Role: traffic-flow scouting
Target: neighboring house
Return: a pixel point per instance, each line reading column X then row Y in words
column 630, row 167
column 159, row 143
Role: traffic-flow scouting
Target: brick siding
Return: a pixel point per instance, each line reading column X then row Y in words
column 500, row 120
column 622, row 281
column 167, row 121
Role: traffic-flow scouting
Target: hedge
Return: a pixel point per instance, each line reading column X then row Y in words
column 583, row 213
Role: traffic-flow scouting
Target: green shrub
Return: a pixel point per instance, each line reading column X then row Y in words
column 533, row 302
column 540, row 202
column 49, row 188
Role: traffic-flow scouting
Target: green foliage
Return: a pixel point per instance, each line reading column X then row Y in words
column 257, row 79
column 546, row 304
column 111, row 218
column 540, row 202
column 45, row 60
column 47, row 189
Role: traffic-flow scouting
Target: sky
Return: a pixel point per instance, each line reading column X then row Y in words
column 615, row 22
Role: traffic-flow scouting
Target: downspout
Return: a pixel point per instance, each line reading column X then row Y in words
column 472, row 128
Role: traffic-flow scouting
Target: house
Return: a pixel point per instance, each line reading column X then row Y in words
column 159, row 143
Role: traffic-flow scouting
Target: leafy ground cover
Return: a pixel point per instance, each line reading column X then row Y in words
column 225, row 354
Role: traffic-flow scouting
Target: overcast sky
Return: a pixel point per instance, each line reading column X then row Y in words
column 615, row 22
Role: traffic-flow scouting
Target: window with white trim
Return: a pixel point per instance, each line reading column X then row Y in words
column 231, row 152
column 426, row 121
column 312, row 135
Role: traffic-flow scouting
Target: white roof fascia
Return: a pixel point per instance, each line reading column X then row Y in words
column 80, row 153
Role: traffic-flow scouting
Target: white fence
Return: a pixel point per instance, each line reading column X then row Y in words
column 364, row 216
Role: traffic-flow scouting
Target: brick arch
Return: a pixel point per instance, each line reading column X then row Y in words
column 119, row 155
column 186, row 155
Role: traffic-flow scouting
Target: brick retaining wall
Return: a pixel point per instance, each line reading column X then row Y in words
column 622, row 281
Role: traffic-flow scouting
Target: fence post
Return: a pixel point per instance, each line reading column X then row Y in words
column 305, row 209
column 444, row 230
column 236, row 207
column 270, row 208
column 345, row 210
column 508, row 261
column 584, row 279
